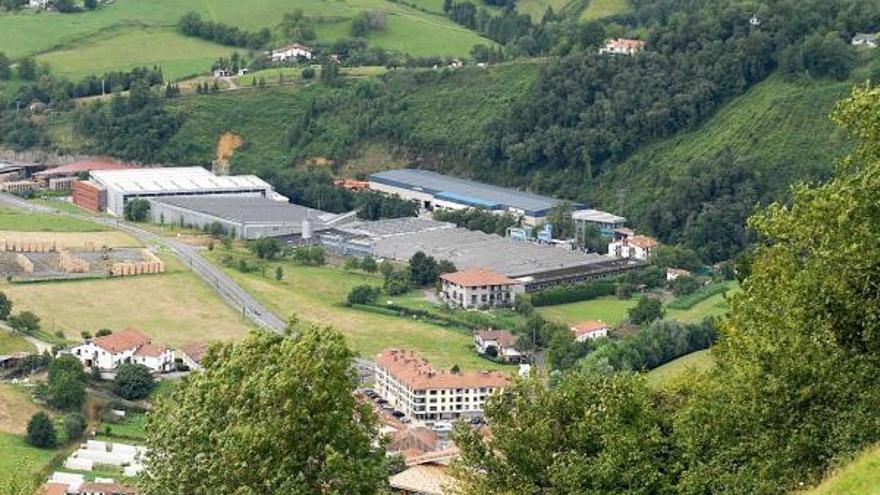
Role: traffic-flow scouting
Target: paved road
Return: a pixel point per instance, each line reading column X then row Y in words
column 230, row 291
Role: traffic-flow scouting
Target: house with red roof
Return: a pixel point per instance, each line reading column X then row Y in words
column 108, row 352
column 477, row 288
column 590, row 329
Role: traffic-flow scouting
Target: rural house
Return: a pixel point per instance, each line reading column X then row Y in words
column 499, row 344
column 110, row 351
column 294, row 51
column 191, row 355
column 627, row 245
column 674, row 273
column 590, row 329
column 869, row 40
column 477, row 287
column 622, row 46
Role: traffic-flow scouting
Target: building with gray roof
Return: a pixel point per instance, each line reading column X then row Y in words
column 247, row 217
column 437, row 191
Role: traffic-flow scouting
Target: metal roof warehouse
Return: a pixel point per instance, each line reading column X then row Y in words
column 435, row 190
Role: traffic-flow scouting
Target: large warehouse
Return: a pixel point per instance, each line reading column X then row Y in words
column 437, row 191
column 110, row 189
column 246, row 217
column 534, row 265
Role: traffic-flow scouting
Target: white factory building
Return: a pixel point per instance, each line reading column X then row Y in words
column 118, row 186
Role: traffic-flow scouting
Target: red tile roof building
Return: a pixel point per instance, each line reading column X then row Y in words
column 110, row 351
column 477, row 287
column 590, row 329
column 409, row 383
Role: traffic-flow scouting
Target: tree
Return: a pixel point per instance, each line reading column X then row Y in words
column 386, row 268
column 351, row 263
column 423, row 269
column 74, row 425
column 267, row 248
column 668, row 256
column 368, row 264
column 5, row 70
column 308, row 73
column 455, row 368
column 321, row 442
column 66, row 383
column 610, row 440
column 646, row 311
column 683, row 286
column 27, row 69
column 90, row 4
column 363, row 294
column 133, row 381
column 279, row 273
column 41, row 431
column 561, row 221
column 24, row 322
column 5, row 306
column 397, row 283
column 136, row 210
column 446, row 266
column 103, row 332
column 330, row 73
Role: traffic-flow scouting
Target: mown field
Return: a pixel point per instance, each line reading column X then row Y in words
column 316, row 294
column 128, row 33
column 10, row 343
column 859, row 477
column 671, row 371
column 174, row 308
column 598, row 9
column 42, row 222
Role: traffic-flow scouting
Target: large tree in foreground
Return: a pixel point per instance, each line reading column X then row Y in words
column 270, row 415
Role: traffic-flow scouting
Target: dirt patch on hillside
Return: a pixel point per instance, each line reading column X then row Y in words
column 226, row 146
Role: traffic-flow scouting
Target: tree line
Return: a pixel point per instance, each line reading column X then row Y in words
column 192, row 24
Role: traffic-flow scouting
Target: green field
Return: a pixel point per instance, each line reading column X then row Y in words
column 19, row 457
column 127, row 48
column 174, row 308
column 599, row 9
column 128, row 33
column 315, row 294
column 43, row 222
column 669, row 372
column 610, row 309
column 859, row 477
column 131, row 428
column 10, row 343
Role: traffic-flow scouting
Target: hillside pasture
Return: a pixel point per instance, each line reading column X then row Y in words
column 599, row 9
column 42, row 222
column 859, row 477
column 19, row 458
column 16, row 408
column 671, row 371
column 10, row 342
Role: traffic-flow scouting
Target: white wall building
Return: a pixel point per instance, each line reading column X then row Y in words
column 191, row 355
column 869, row 40
column 622, row 46
column 638, row 247
column 128, row 346
column 503, row 342
column 291, row 52
column 413, row 387
column 123, row 185
column 477, row 287
column 591, row 329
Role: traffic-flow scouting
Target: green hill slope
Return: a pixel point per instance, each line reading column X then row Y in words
column 105, row 35
column 860, row 477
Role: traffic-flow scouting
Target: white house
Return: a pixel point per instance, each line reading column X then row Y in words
column 591, row 329
column 294, row 51
column 869, row 40
column 502, row 341
column 191, row 355
column 639, row 247
column 674, row 273
column 110, row 351
column 622, row 46
column 38, row 4
column 477, row 287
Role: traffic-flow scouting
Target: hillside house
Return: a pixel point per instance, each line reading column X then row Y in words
column 622, row 46
column 869, row 40
column 498, row 344
column 590, row 329
column 477, row 287
column 294, row 51
column 110, row 351
column 628, row 245
column 674, row 273
column 191, row 355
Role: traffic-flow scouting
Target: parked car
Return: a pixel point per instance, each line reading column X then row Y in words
column 397, row 414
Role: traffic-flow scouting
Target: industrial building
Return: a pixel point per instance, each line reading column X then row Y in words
column 534, row 266
column 244, row 216
column 62, row 177
column 113, row 188
column 437, row 191
column 606, row 223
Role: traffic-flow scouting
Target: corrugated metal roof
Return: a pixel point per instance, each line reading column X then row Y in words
column 174, row 180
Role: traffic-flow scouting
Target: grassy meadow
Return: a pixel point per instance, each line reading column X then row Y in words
column 859, row 477
column 671, row 371
column 598, row 9
column 10, row 343
column 43, row 222
column 129, row 33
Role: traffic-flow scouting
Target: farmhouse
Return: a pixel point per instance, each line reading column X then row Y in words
column 868, row 40
column 411, row 385
column 113, row 188
column 638, row 247
column 533, row 266
column 110, row 351
column 436, row 191
column 622, row 46
column 191, row 355
column 674, row 273
column 477, row 287
column 500, row 344
column 591, row 329
column 291, row 52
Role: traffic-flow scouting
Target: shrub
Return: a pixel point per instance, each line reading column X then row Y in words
column 74, row 425
column 41, row 432
column 562, row 294
column 646, row 311
column 689, row 301
column 363, row 294
column 66, row 385
column 683, row 286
